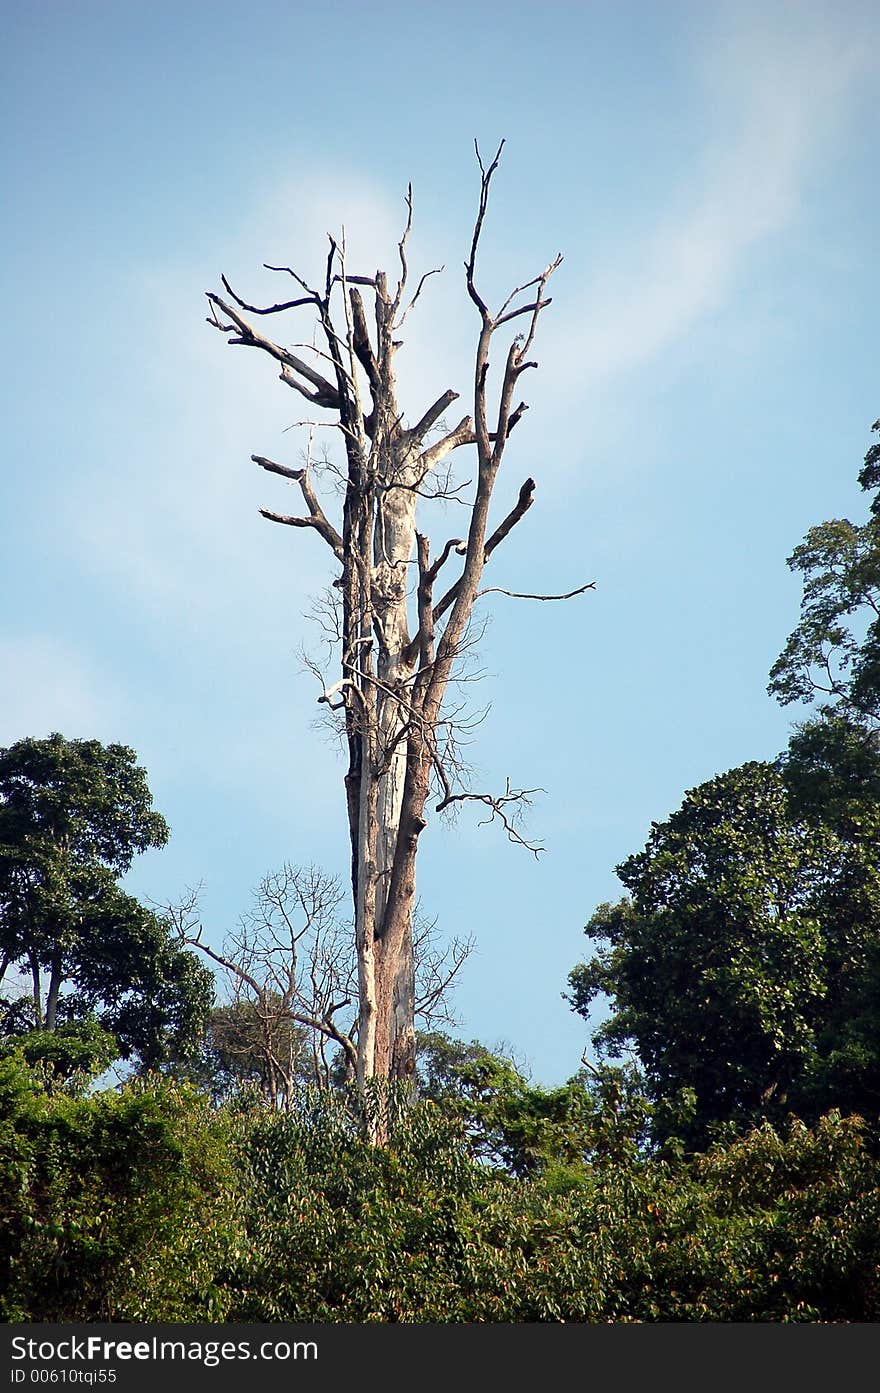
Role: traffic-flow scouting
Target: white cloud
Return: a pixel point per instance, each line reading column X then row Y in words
column 177, row 527
column 776, row 100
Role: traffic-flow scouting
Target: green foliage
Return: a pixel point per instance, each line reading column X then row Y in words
column 76, row 1049
column 90, row 801
column 240, row 1039
column 765, row 1228
column 146, row 1205
column 832, row 773
column 806, row 1222
column 834, row 653
column 523, row 1128
column 73, row 814
column 750, row 939
column 112, row 1207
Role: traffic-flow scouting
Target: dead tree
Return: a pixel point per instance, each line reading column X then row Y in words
column 291, row 969
column 399, row 637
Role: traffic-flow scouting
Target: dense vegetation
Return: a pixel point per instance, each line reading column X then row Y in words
column 145, row 1204
column 730, row 1171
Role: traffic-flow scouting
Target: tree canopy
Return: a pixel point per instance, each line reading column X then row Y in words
column 744, row 958
column 73, row 814
column 744, row 966
column 833, row 655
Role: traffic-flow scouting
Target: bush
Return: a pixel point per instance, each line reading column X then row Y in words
column 118, row 1206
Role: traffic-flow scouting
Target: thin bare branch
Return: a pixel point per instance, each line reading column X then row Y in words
column 441, row 560
column 318, row 523
column 298, row 278
column 498, row 805
column 523, row 309
column 401, row 252
column 437, row 270
column 518, row 290
column 520, row 508
column 284, row 470
column 317, row 518
column 469, row 265
column 437, row 969
column 539, row 304
column 515, row 595
column 325, row 393
column 444, row 491
column 268, row 309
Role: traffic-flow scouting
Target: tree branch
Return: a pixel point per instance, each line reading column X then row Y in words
column 520, row 508
column 309, row 299
column 317, row 518
column 431, row 416
column 462, row 434
column 486, row 179
column 436, row 271
column 401, row 251
column 325, row 393
column 498, row 805
column 362, row 346
column 515, row 595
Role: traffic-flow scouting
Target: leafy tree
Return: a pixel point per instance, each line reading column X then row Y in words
column 74, row 1049
column 750, row 936
column 833, row 655
column 832, row 772
column 525, row 1129
column 73, row 814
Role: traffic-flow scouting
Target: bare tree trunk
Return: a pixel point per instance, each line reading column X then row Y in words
column 397, row 658
column 55, row 981
column 36, row 990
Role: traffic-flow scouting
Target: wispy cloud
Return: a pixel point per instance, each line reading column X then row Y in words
column 775, row 101
column 178, row 526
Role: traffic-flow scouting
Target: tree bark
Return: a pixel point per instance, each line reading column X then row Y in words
column 36, row 991
column 55, row 981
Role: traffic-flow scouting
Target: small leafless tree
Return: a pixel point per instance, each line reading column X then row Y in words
column 290, row 967
column 292, row 971
column 399, row 638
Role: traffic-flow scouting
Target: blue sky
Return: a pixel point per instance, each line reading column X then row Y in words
column 708, row 378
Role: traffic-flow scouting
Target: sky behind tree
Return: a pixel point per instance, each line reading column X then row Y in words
column 707, row 382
